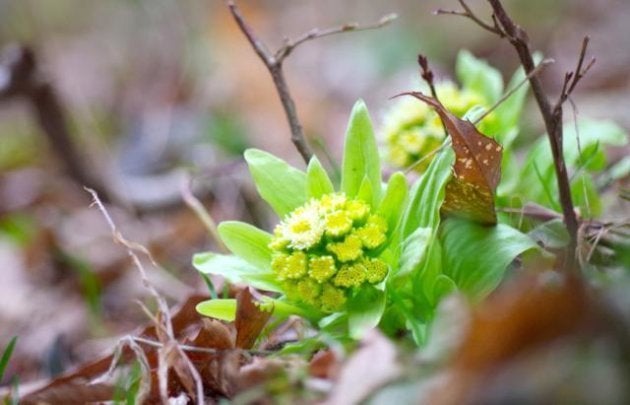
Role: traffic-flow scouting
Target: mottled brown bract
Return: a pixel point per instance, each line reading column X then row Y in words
column 477, row 168
column 250, row 319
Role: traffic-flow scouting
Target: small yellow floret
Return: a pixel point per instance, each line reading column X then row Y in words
column 376, row 270
column 347, row 250
column 332, row 299
column 332, row 202
column 321, row 268
column 350, row 276
column 338, row 223
column 304, row 228
column 357, row 210
column 309, row 291
column 292, row 266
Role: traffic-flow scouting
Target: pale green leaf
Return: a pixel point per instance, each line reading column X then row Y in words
column 427, row 194
column 509, row 111
column 365, row 191
column 414, row 248
column 393, row 203
column 223, row 309
column 317, row 181
column 365, row 311
column 476, row 256
column 247, row 242
column 360, row 156
column 236, row 271
column 477, row 75
column 282, row 186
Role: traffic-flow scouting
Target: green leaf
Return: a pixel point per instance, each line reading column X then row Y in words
column 6, row 356
column 509, row 112
column 477, row 75
column 427, row 195
column 236, row 271
column 551, row 234
column 365, row 311
column 476, row 257
column 317, row 181
column 365, row 191
column 247, row 242
column 414, row 248
column 392, row 205
column 282, row 186
column 223, row 309
column 360, row 156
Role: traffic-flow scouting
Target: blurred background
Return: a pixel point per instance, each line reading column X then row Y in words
column 164, row 95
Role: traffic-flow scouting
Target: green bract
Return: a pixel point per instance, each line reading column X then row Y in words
column 331, row 248
column 412, row 130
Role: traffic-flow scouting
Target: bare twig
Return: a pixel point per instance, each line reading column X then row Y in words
column 495, row 28
column 504, row 26
column 274, row 64
column 427, row 75
column 22, row 78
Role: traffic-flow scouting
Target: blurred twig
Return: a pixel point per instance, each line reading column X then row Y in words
column 20, row 77
column 274, row 60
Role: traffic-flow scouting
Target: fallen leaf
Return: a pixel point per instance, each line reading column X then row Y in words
column 476, row 171
column 250, row 319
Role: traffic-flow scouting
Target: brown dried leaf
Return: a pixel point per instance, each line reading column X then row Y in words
column 250, row 319
column 324, row 364
column 477, row 168
column 518, row 320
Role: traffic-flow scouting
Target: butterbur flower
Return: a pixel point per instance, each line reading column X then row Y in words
column 413, row 130
column 330, row 252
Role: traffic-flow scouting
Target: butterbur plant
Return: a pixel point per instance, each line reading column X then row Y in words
column 412, row 131
column 332, row 251
column 368, row 253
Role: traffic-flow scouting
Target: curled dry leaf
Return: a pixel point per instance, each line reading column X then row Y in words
column 477, row 168
column 250, row 319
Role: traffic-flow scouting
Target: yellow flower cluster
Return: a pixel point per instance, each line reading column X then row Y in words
column 325, row 249
column 412, row 129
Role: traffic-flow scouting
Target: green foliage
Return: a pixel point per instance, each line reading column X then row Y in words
column 476, row 256
column 235, row 270
column 537, row 178
column 317, row 181
column 479, row 76
column 6, row 356
column 248, row 242
column 361, row 159
column 280, row 185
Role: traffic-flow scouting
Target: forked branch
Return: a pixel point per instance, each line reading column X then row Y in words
column 273, row 62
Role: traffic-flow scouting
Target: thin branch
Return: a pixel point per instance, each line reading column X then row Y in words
column 315, row 33
column 571, row 79
column 468, row 13
column 509, row 94
column 273, row 62
column 427, row 75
